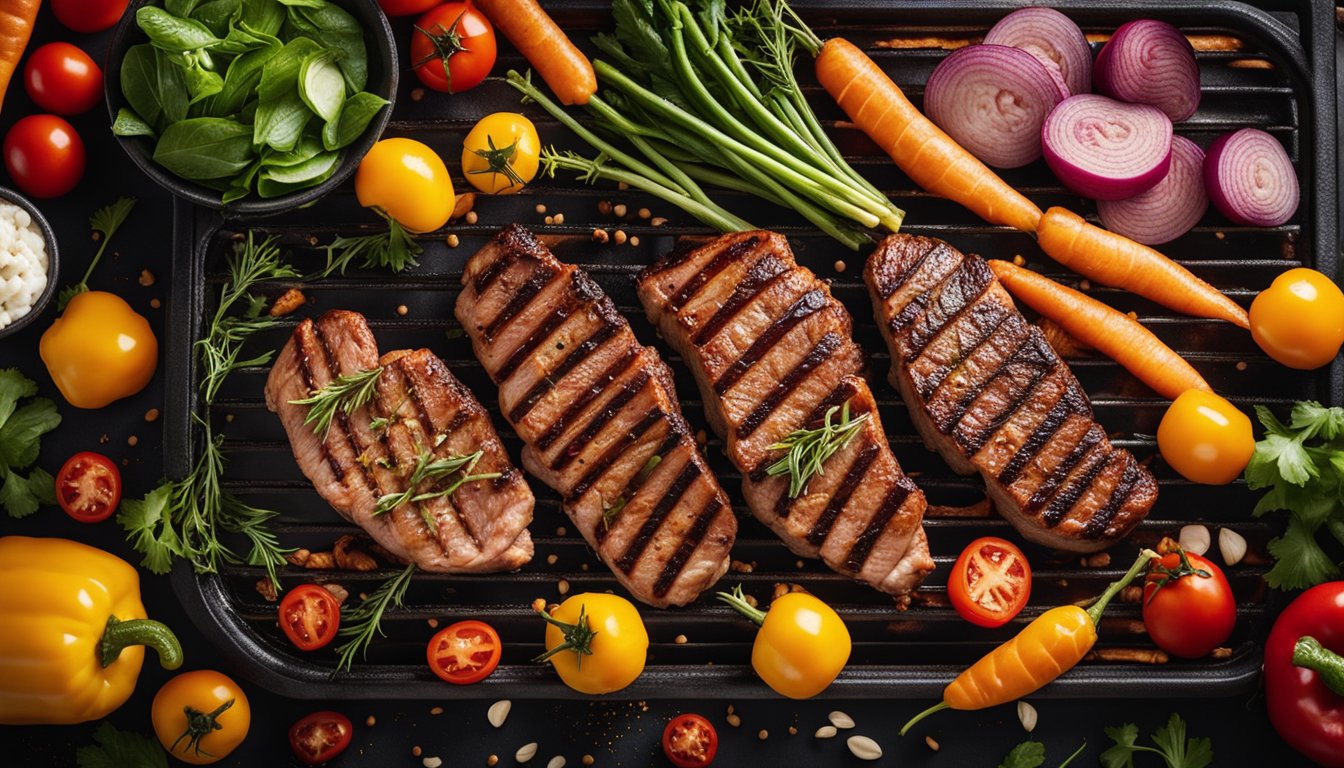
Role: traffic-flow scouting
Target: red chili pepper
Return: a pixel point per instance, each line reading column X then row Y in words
column 1304, row 674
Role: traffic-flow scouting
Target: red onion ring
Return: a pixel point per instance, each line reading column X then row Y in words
column 1051, row 37
column 1250, row 178
column 992, row 100
column 1107, row 150
column 1150, row 62
column 1169, row 209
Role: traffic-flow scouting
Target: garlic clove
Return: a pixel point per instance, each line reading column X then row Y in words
column 1232, row 545
column 1026, row 714
column 1195, row 539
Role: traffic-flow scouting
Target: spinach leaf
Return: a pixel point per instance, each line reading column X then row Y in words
column 321, row 85
column 241, row 186
column 130, row 124
column 303, row 3
column 216, row 14
column 280, row 121
column 170, row 33
column 308, row 170
column 242, row 38
column 358, row 112
column 204, row 148
column 307, row 148
column 180, row 7
column 201, row 82
column 241, row 80
column 153, row 86
column 263, row 17
column 341, row 32
column 267, row 187
column 281, row 73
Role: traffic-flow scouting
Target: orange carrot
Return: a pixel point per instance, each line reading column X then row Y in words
column 16, row 26
column 1117, row 261
column 545, row 46
column 1114, row 334
column 930, row 157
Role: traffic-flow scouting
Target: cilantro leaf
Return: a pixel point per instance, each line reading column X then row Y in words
column 1177, row 750
column 1299, row 560
column 150, row 530
column 14, row 386
column 1122, row 754
column 120, row 749
column 20, row 433
column 1289, row 457
column 1312, row 419
column 1028, row 754
column 21, row 496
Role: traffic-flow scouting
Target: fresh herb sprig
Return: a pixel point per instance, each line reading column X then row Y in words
column 1031, row 754
column 809, row 449
column 21, row 429
column 1301, row 463
column 1172, row 745
column 429, row 468
column 105, row 221
column 392, row 249
column 611, row 512
column 120, row 749
column 342, row 394
column 361, row 622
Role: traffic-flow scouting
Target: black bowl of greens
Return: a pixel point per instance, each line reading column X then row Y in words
column 254, row 106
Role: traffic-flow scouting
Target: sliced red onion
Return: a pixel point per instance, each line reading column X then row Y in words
column 1150, row 62
column 1169, row 209
column 1101, row 148
column 1250, row 178
column 1051, row 37
column 992, row 100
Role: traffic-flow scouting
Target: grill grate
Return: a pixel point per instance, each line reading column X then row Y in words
column 895, row 654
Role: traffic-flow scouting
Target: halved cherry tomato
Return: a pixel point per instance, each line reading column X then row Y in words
column 44, row 155
column 63, row 79
column 1188, row 607
column 690, row 741
column 465, row 652
column 990, row 582
column 1299, row 319
column 88, row 487
column 310, row 616
column 453, row 48
column 89, row 15
column 1205, row 438
column 320, row 737
column 406, row 7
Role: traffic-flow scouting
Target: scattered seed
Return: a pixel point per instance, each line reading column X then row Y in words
column 453, row 241
column 645, row 213
column 932, row 744
column 799, row 564
column 793, row 731
column 132, row 440
column 600, row 236
column 1018, row 260
column 402, row 309
column 1232, row 545
column 492, row 760
column 228, row 417
column 436, row 710
column 840, row 265
column 841, row 720
column 621, row 185
column 658, row 221
column 1026, row 714
column 152, row 414
column 734, row 720
column 1085, row 285
column 864, row 748
column 826, row 732
column 563, row 586
column 634, row 240
column 550, row 559
column 541, row 208
column 1219, row 235
column 146, row 278
column 287, row 302
column 155, row 303
column 604, row 207
column 731, row 709
column 1241, row 365
column 559, row 218
column 550, row 219
column 1195, row 539
column 416, row 751
column 370, row 720
column 471, row 217
column 556, row 762
column 433, row 623
column 583, row 567
column 587, row 760
column 679, row 639
column 526, row 752
column 619, row 237
column 1099, row 560
column 701, row 437
column 763, row 735
column 499, row 712
column 417, row 94
column 619, row 209
column 103, row 440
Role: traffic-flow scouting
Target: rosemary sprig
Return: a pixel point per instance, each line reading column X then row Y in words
column 342, row 394
column 363, row 621
column 105, row 221
column 809, row 449
column 394, row 249
column 428, row 468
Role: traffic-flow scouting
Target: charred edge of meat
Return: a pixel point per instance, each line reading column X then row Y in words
column 721, row 261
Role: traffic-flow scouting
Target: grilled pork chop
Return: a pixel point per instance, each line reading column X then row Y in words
column 772, row 353
column 991, row 396
column 422, row 413
column 600, row 418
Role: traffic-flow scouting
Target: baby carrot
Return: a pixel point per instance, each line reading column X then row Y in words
column 16, row 26
column 545, row 46
column 1114, row 334
column 1116, row 260
column 930, row 157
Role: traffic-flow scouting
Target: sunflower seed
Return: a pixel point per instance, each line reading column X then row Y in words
column 556, row 762
column 1195, row 539
column 1232, row 545
column 1026, row 714
column 526, row 752
column 499, row 712
column 841, row 720
column 432, row 762
column 826, row 732
column 864, row 748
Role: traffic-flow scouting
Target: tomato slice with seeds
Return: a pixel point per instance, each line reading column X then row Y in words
column 690, row 741
column 310, row 616
column 320, row 736
column 990, row 582
column 88, row 487
column 465, row 652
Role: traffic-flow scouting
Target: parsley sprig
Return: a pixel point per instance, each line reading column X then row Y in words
column 342, row 394
column 361, row 622
column 1031, row 754
column 105, row 221
column 809, row 449
column 120, row 749
column 21, row 427
column 1172, row 746
column 1302, row 465
column 393, row 249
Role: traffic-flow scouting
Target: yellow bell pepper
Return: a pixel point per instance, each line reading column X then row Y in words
column 100, row 350
column 73, row 632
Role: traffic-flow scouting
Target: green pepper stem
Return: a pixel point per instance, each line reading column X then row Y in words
column 738, row 600
column 1140, row 564
column 118, row 634
column 939, row 707
column 1308, row 653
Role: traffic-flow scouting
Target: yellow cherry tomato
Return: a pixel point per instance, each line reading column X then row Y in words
column 200, row 717
column 802, row 645
column 596, row 642
column 407, row 181
column 500, row 155
column 99, row 350
column 1205, row 438
column 1299, row 319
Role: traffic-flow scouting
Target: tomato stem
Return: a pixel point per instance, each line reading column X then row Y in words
column 199, row 725
column 1096, row 609
column 499, row 160
column 939, row 707
column 447, row 43
column 1167, row 575
column 118, row 634
column 1308, row 653
column 578, row 636
column 738, row 600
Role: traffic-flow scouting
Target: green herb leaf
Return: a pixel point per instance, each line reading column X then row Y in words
column 130, row 124
column 172, row 33
column 1299, row 560
column 1028, row 754
column 394, row 249
column 1177, row 750
column 21, row 496
column 322, row 86
column 358, row 112
column 342, row 394
column 150, row 530
column 20, row 435
column 205, row 148
column 105, row 221
column 1122, row 754
column 428, row 468
column 120, row 749
column 809, row 449
column 361, row 622
column 153, row 86
column 241, row 80
column 14, row 386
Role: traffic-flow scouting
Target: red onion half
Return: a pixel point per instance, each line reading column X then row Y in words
column 1150, row 62
column 1051, row 37
column 1106, row 150
column 1169, row 209
column 992, row 100
column 1250, row 178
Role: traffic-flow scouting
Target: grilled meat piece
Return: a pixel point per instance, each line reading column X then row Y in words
column 422, row 411
column 991, row 396
column 772, row 353
column 600, row 418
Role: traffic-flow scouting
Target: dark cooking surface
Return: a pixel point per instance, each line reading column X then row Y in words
column 460, row 735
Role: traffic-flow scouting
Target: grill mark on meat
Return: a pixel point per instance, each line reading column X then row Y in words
column 575, row 447
column 956, row 413
column 561, row 423
column 760, row 277
column 636, row 480
column 824, row 348
column 1068, row 405
column 822, row 527
column 309, row 385
column 521, row 298
column 1123, row 490
column 808, row 304
column 1067, row 496
column 342, row 419
column 613, row 452
column 494, row 269
column 834, row 400
column 547, row 383
column 654, row 521
column 926, row 386
column 1051, row 484
column 695, row 535
column 716, row 265
column 889, row 286
column 959, row 291
column 863, row 545
column 539, row 335
column 1031, row 354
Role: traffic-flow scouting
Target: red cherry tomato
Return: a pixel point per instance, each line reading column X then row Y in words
column 690, row 741
column 44, row 156
column 1191, row 614
column 990, row 582
column 310, row 616
column 63, row 79
column 88, row 487
column 465, row 652
column 453, row 48
column 406, row 7
column 320, row 737
column 89, row 15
